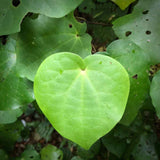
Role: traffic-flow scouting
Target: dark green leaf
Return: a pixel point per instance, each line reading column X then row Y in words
column 51, row 152
column 135, row 62
column 155, row 92
column 15, row 91
column 142, row 28
column 44, row 36
column 9, row 134
column 13, row 11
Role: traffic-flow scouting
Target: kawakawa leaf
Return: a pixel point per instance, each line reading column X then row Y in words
column 135, row 61
column 44, row 36
column 83, row 99
column 13, row 11
column 123, row 4
column 142, row 28
column 155, row 92
column 15, row 91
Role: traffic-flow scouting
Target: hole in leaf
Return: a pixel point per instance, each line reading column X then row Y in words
column 70, row 25
column 85, row 8
column 15, row 3
column 3, row 39
column 31, row 157
column 145, row 12
column 128, row 33
column 147, row 19
column 135, row 76
column 148, row 32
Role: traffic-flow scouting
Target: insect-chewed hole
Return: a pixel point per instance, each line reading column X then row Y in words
column 135, row 76
column 148, row 32
column 145, row 12
column 70, row 25
column 85, row 8
column 128, row 33
column 16, row 3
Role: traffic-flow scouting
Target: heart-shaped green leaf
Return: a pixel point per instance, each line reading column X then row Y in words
column 83, row 99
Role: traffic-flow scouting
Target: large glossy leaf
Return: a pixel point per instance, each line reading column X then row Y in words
column 155, row 92
column 123, row 4
column 136, row 63
column 15, row 91
column 12, row 12
column 83, row 99
column 142, row 27
column 44, row 36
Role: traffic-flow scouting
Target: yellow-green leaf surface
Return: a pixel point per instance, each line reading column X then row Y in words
column 44, row 36
column 123, row 4
column 13, row 11
column 83, row 99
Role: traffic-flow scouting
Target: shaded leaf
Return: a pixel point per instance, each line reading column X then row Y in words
column 155, row 92
column 145, row 148
column 10, row 133
column 44, row 36
column 12, row 13
column 51, row 152
column 135, row 62
column 15, row 91
column 142, row 28
column 29, row 154
column 3, row 155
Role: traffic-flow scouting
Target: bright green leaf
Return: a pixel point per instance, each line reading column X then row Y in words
column 136, row 63
column 44, row 36
column 123, row 4
column 51, row 152
column 12, row 13
column 142, row 28
column 155, row 92
column 15, row 91
column 83, row 99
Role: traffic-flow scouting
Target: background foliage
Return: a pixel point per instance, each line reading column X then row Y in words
column 29, row 32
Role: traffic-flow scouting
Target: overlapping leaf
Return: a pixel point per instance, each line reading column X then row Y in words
column 142, row 28
column 155, row 92
column 15, row 92
column 44, row 36
column 136, row 63
column 123, row 4
column 13, row 11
